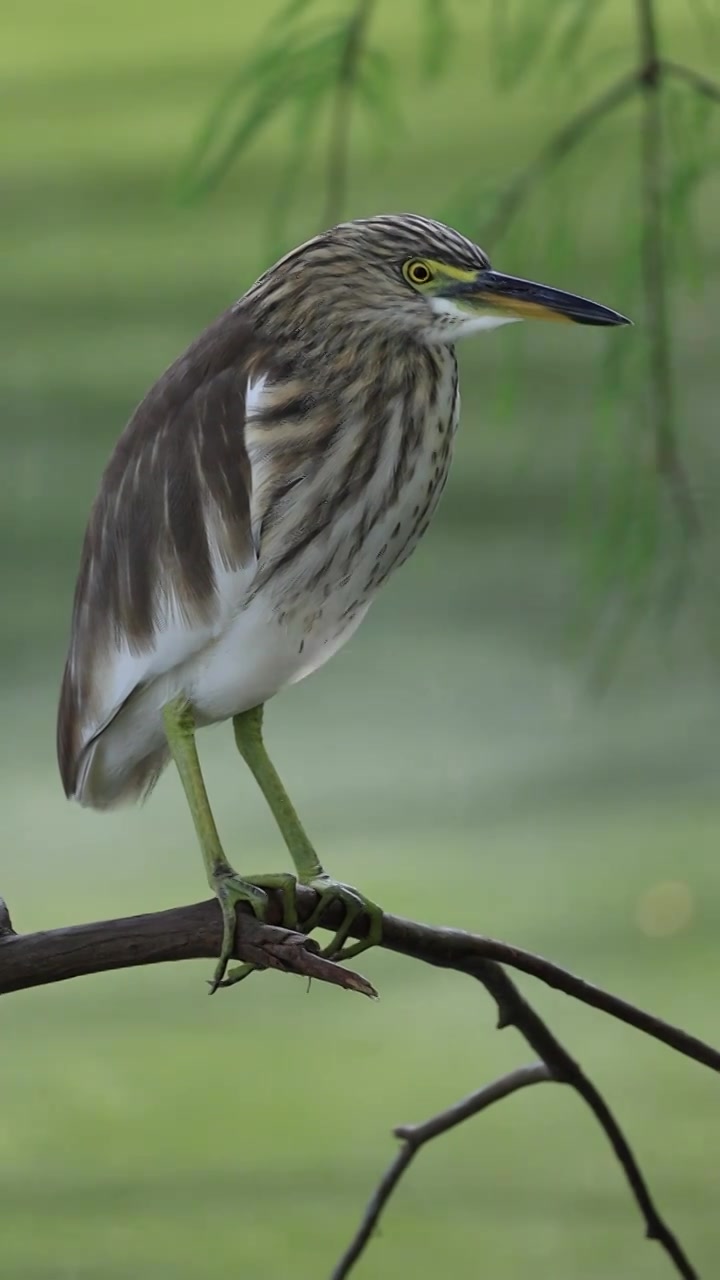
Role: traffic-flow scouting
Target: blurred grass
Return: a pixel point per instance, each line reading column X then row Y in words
column 448, row 761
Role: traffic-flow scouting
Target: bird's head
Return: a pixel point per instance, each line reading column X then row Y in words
column 402, row 272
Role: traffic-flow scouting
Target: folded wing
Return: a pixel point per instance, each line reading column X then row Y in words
column 168, row 545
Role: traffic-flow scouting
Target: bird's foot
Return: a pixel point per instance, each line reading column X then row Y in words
column 232, row 889
column 328, row 891
column 355, row 904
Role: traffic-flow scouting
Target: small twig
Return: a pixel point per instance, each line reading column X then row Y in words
column 6, row 929
column 554, row 150
column 415, row 1136
column 662, row 391
column 338, row 147
column 702, row 84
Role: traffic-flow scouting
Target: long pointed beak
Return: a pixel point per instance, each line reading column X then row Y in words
column 524, row 300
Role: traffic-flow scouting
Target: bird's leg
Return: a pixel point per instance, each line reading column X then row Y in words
column 249, row 739
column 229, row 887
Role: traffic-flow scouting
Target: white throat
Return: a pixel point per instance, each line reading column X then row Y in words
column 455, row 320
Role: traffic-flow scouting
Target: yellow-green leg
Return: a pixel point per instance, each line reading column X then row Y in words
column 249, row 739
column 229, row 887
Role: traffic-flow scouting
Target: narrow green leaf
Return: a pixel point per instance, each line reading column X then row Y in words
column 287, row 76
column 521, row 34
column 293, row 9
column 437, row 36
column 578, row 25
column 376, row 88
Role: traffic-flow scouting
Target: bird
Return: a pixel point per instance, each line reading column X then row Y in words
column 270, row 481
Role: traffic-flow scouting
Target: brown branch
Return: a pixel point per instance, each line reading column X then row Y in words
column 415, row 1136
column 554, row 150
column 195, row 931
column 184, row 933
column 702, row 84
column 515, row 1011
column 455, row 949
column 338, row 147
column 662, row 392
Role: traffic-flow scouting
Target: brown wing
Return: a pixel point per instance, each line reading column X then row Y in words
column 174, row 502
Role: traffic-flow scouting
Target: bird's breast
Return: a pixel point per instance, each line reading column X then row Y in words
column 347, row 498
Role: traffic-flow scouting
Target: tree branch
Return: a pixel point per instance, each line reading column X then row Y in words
column 515, row 1011
column 415, row 1136
column 558, row 1065
column 195, row 931
column 183, row 933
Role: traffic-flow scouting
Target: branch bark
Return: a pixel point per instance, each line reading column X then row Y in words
column 194, row 932
column 183, row 933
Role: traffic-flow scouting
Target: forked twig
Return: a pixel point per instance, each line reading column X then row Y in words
column 556, row 1064
column 414, row 1136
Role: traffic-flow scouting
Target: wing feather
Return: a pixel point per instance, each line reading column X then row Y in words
column 170, row 526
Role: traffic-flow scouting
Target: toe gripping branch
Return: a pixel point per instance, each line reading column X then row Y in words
column 268, row 945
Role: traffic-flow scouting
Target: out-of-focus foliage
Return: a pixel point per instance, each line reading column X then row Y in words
column 524, row 35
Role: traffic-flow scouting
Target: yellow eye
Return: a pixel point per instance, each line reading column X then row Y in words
column 417, row 272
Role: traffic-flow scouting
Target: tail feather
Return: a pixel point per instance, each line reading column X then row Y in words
column 67, row 739
column 121, row 763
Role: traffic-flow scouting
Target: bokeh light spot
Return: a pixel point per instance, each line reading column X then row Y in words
column 665, row 908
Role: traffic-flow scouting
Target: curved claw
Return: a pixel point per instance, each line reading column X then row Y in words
column 356, row 904
column 285, row 883
column 231, row 889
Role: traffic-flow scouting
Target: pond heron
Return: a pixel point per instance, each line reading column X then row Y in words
column 270, row 481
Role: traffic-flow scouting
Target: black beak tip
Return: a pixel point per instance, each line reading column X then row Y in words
column 604, row 318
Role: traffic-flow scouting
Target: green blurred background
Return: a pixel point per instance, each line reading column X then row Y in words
column 449, row 761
